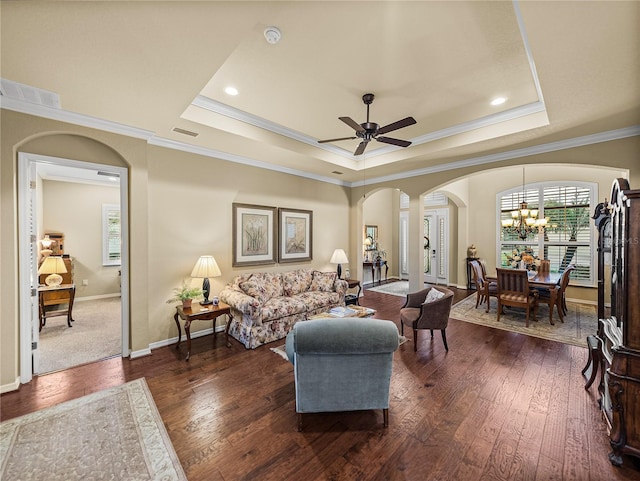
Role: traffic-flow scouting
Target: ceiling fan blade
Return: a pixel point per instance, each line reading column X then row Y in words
column 361, row 147
column 352, row 123
column 389, row 140
column 397, row 125
column 335, row 140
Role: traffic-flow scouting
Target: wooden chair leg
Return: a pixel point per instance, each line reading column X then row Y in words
column 385, row 415
column 499, row 309
column 444, row 339
column 299, row 422
column 415, row 340
column 401, row 327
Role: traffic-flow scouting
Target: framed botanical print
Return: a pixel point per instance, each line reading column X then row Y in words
column 254, row 235
column 296, row 233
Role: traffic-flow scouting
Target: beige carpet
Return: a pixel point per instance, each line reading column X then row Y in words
column 398, row 288
column 115, row 434
column 96, row 334
column 581, row 320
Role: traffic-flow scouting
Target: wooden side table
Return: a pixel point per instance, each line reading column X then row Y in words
column 43, row 302
column 200, row 313
column 355, row 283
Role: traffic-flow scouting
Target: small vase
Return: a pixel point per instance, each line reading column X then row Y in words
column 186, row 303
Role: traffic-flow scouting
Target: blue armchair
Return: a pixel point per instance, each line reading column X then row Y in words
column 342, row 364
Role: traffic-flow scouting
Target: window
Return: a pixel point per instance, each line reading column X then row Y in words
column 568, row 237
column 111, row 235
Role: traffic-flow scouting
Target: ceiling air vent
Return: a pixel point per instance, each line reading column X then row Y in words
column 185, row 132
column 30, row 94
column 336, row 172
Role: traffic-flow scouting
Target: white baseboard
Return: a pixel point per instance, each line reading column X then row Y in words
column 173, row 340
column 92, row 298
column 582, row 301
column 14, row 386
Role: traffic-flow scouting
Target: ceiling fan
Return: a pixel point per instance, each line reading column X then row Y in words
column 368, row 131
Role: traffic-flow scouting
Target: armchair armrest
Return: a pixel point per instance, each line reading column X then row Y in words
column 341, row 286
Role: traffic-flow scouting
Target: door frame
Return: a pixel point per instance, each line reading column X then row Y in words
column 27, row 252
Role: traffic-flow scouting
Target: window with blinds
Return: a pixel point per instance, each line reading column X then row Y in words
column 568, row 237
column 111, row 237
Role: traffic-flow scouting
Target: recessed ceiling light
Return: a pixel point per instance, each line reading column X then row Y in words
column 498, row 101
column 231, row 91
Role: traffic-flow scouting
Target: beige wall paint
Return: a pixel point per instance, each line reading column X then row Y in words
column 76, row 210
column 180, row 208
column 190, row 214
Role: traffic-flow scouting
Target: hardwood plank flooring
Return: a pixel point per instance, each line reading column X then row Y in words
column 497, row 406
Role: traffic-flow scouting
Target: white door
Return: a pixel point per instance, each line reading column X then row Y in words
column 436, row 245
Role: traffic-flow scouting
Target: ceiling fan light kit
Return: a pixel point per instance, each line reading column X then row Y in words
column 368, row 131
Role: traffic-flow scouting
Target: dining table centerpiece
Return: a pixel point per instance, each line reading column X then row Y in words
column 523, row 259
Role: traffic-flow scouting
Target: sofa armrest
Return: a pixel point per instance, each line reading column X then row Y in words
column 341, row 286
column 247, row 305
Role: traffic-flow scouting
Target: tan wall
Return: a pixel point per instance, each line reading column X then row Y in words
column 180, row 208
column 76, row 210
column 190, row 214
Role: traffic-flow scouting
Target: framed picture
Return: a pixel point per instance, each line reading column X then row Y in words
column 296, row 233
column 254, row 235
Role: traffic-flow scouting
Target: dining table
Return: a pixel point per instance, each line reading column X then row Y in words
column 542, row 280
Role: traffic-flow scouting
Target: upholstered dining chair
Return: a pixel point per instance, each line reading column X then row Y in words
column 427, row 310
column 484, row 288
column 514, row 291
column 560, row 299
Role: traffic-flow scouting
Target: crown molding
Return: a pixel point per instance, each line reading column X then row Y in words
column 72, row 118
column 607, row 136
column 238, row 159
column 93, row 122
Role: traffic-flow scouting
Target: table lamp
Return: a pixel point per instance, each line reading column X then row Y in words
column 339, row 257
column 206, row 267
column 54, row 266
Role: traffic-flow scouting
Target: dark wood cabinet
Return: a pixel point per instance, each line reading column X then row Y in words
column 618, row 338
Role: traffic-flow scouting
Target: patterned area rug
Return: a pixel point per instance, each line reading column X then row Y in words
column 112, row 434
column 581, row 320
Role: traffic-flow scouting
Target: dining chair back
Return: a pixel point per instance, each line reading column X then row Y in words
column 563, row 283
column 545, row 266
column 514, row 291
column 484, row 288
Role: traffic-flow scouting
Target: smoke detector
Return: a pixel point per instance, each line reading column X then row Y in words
column 272, row 35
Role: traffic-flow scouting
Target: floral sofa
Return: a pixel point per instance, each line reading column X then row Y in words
column 266, row 305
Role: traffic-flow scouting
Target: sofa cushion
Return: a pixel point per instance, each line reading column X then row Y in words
column 278, row 307
column 263, row 286
column 295, row 282
column 323, row 281
column 316, row 299
column 254, row 288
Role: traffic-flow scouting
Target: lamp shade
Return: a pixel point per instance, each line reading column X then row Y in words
column 206, row 267
column 54, row 266
column 339, row 257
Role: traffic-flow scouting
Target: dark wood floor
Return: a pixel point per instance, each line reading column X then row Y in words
column 497, row 406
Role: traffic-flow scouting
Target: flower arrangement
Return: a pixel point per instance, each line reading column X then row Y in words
column 526, row 258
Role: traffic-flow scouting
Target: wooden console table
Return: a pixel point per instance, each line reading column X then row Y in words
column 200, row 313
column 376, row 266
column 68, row 292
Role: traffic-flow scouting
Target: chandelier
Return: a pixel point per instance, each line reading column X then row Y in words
column 524, row 221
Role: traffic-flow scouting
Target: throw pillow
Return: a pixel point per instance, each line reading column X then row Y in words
column 254, row 289
column 323, row 281
column 433, row 295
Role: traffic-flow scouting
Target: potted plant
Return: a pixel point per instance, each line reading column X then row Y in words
column 379, row 254
column 185, row 294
